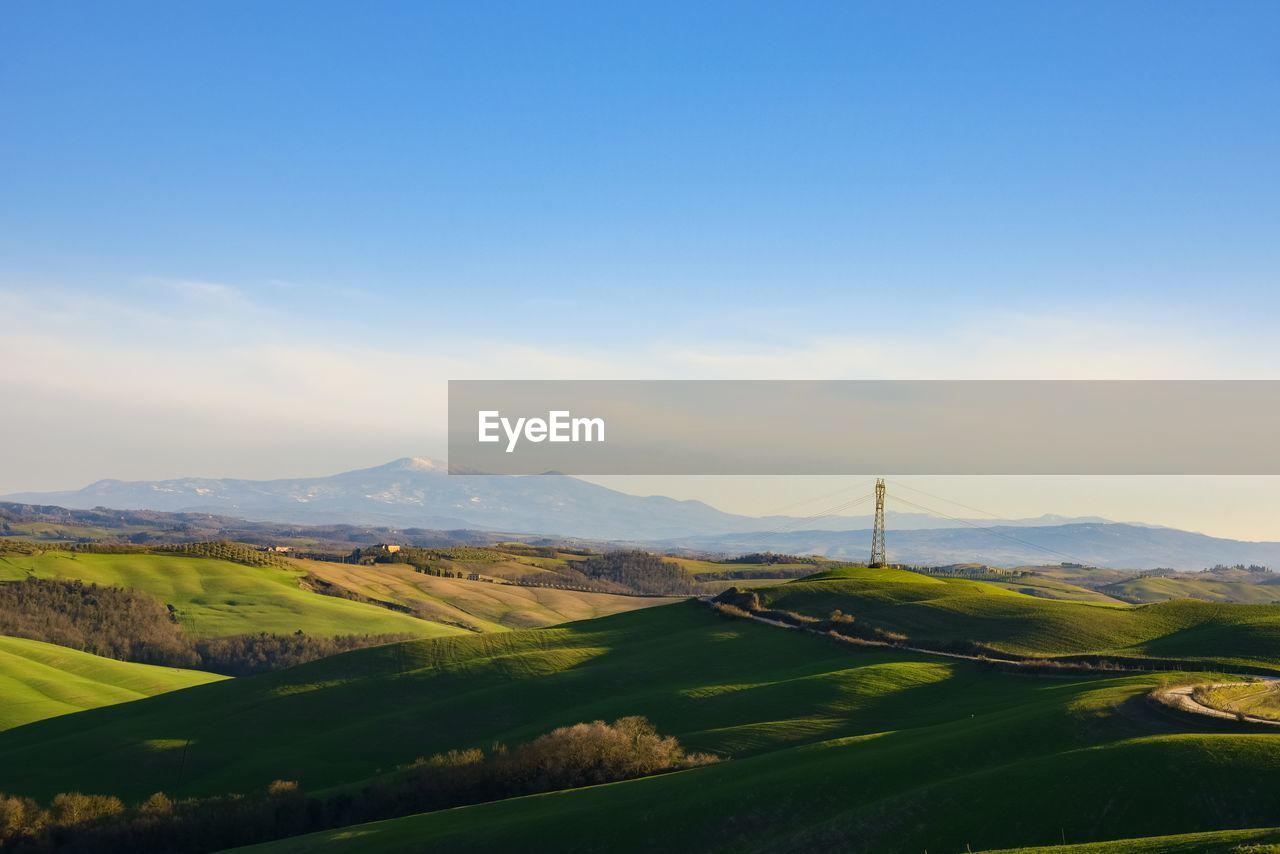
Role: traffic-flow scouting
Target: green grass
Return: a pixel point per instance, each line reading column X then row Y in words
column 722, row 685
column 41, row 680
column 216, row 597
column 881, row 794
column 1052, row 588
column 969, row 759
column 826, row 746
column 948, row 609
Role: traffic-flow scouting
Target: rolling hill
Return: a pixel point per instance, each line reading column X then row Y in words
column 1049, row 588
column 40, row 680
column 858, row 795
column 941, row 610
column 216, row 597
column 1158, row 588
column 823, row 745
column 480, row 606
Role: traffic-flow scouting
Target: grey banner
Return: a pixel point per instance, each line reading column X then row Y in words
column 865, row 427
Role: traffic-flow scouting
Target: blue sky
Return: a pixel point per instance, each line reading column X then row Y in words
column 300, row 204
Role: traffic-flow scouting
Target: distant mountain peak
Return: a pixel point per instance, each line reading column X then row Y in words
column 422, row 464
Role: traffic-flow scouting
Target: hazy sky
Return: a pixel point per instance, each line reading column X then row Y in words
column 256, row 239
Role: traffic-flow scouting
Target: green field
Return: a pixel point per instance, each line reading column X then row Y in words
column 948, row 609
column 40, row 680
column 217, row 597
column 482, row 606
column 824, row 745
column 1052, row 588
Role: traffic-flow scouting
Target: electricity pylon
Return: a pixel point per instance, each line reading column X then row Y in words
column 877, row 533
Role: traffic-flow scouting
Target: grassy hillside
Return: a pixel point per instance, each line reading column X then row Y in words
column 1158, row 588
column 1052, row 588
column 549, row 565
column 1046, row 582
column 826, row 745
column 483, row 606
column 950, row 609
column 722, row 685
column 40, row 680
column 510, row 561
column 1092, row 577
column 896, row 792
column 216, row 597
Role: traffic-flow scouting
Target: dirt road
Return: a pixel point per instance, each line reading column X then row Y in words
column 1183, row 699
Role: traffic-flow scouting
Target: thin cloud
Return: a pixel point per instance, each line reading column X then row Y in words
column 212, row 294
column 205, row 380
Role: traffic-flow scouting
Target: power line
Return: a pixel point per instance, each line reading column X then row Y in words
column 991, row 530
column 795, row 504
column 800, row 523
column 947, row 500
column 824, row 514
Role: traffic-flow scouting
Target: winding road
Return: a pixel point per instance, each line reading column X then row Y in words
column 1183, row 699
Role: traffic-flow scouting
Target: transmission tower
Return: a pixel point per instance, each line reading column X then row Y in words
column 877, row 533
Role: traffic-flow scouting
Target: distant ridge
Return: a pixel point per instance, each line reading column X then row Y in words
column 417, row 492
column 1112, row 544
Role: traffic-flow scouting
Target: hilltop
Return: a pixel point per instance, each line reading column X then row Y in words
column 944, row 611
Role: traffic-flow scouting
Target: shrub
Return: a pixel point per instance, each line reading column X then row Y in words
column 581, row 754
column 747, row 600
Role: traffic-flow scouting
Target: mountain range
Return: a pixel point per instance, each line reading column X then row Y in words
column 418, row 492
